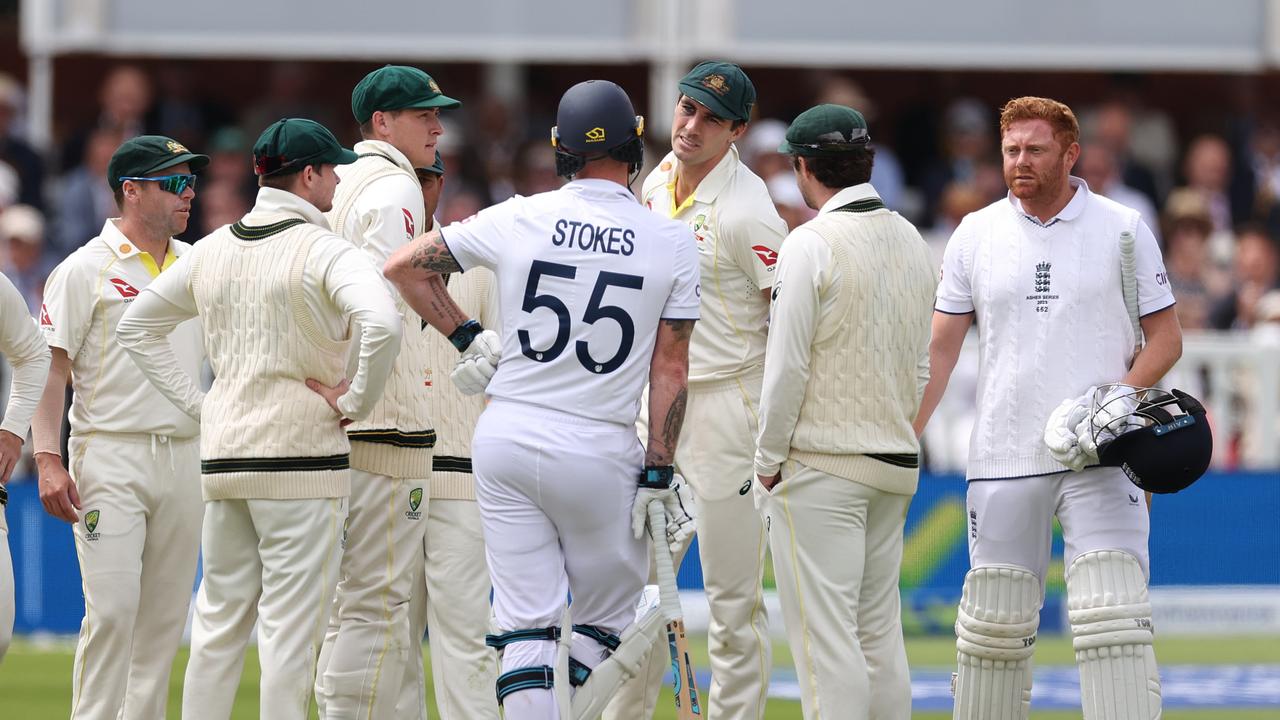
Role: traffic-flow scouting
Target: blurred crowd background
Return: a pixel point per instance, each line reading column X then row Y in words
column 1198, row 155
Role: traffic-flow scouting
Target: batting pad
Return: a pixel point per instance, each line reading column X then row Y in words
column 995, row 639
column 1112, row 633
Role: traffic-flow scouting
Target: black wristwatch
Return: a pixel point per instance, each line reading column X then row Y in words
column 657, row 477
column 463, row 335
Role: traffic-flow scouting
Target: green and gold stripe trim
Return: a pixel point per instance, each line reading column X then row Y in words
column 397, row 438
column 862, row 206
column 902, row 460
column 450, row 463
column 270, row 465
column 258, row 232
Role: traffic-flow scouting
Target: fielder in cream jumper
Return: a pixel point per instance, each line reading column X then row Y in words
column 278, row 293
column 378, row 207
column 1039, row 272
column 703, row 184
column 131, row 486
column 838, row 462
column 450, row 595
column 28, row 355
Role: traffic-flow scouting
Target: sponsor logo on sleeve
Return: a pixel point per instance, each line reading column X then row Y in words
column 408, row 222
column 767, row 255
column 45, row 320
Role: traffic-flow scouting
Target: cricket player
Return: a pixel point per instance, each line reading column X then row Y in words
column 596, row 296
column 1039, row 272
column 703, row 184
column 450, row 591
column 838, row 461
column 27, row 353
column 378, row 208
column 278, row 294
column 131, row 489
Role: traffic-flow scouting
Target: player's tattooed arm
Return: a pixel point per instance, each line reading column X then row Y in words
column 417, row 272
column 668, row 390
column 431, row 254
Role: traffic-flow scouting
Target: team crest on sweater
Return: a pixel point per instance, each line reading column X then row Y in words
column 1043, row 281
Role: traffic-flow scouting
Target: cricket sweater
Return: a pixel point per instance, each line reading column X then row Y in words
column 847, row 356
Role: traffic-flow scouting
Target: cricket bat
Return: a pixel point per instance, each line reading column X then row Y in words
column 686, row 685
column 1129, row 285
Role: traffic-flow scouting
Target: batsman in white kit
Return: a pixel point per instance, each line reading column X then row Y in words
column 26, row 351
column 1040, row 273
column 597, row 296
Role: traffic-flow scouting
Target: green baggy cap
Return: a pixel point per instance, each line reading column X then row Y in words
column 826, row 130
column 722, row 87
column 291, row 144
column 397, row 87
column 147, row 154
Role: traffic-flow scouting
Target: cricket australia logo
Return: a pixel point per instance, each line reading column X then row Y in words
column 1042, row 295
column 91, row 525
column 415, row 500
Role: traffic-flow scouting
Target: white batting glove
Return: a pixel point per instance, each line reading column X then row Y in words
column 1060, row 432
column 677, row 503
column 477, row 364
column 1106, row 419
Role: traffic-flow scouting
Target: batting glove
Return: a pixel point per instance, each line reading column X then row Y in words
column 478, row 363
column 1107, row 418
column 1060, row 434
column 677, row 503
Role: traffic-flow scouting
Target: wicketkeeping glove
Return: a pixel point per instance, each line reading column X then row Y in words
column 478, row 363
column 677, row 503
column 1060, row 432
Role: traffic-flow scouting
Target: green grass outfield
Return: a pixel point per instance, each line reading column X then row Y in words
column 35, row 679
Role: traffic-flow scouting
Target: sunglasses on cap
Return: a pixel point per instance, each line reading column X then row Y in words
column 169, row 183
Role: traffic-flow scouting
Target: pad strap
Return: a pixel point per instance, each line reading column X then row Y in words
column 606, row 639
column 539, row 677
column 504, row 639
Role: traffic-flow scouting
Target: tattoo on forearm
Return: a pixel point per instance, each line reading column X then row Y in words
column 663, row 437
column 442, row 304
column 434, row 255
column 682, row 328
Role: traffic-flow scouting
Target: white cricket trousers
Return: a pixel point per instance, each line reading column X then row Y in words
column 716, row 455
column 555, row 494
column 137, row 541
column 274, row 562
column 1011, row 521
column 450, row 600
column 837, row 550
column 6, row 587
column 368, row 647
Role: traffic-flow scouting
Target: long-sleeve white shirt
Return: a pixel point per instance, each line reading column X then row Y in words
column 22, row 345
column 339, row 283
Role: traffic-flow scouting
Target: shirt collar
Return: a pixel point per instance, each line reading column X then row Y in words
column 597, row 187
column 271, row 203
column 853, row 193
column 1072, row 211
column 711, row 185
column 384, row 148
column 122, row 246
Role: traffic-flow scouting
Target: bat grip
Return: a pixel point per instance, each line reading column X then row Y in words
column 1129, row 283
column 668, row 591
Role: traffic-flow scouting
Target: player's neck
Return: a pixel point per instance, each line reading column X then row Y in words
column 612, row 171
column 148, row 240
column 689, row 177
column 1044, row 209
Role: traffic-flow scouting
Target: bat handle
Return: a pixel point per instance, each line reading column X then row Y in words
column 668, row 591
